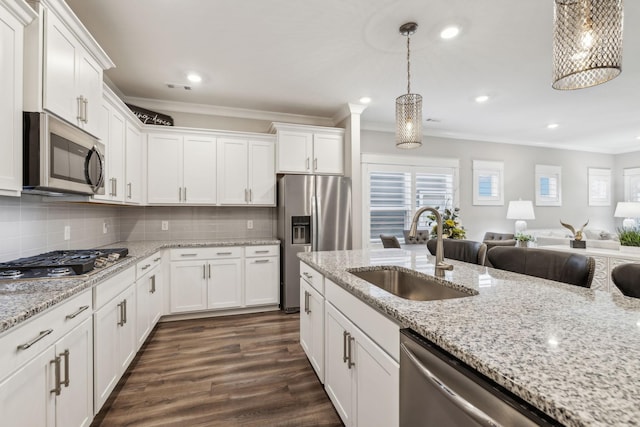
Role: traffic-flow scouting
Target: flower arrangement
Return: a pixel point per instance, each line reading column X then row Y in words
column 629, row 236
column 451, row 228
column 523, row 239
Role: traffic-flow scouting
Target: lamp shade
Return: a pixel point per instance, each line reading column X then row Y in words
column 520, row 209
column 627, row 210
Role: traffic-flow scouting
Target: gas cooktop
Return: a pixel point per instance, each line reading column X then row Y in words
column 60, row 263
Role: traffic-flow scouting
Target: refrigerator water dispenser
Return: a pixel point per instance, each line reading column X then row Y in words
column 301, row 230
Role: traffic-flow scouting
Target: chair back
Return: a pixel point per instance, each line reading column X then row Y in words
column 421, row 237
column 492, row 239
column 574, row 269
column 389, row 241
column 626, row 277
column 461, row 250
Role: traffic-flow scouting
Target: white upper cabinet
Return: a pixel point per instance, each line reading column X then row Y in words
column 133, row 165
column 14, row 15
column 64, row 67
column 112, row 133
column 181, row 168
column 246, row 172
column 309, row 149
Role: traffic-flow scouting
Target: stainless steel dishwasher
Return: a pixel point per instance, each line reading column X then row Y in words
column 438, row 390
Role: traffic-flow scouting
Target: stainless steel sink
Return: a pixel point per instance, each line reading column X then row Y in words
column 409, row 285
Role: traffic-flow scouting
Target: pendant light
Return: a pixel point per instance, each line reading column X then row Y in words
column 409, row 106
column 587, row 42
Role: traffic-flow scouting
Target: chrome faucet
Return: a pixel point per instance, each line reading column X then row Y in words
column 441, row 266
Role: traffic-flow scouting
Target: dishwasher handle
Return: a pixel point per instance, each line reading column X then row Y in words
column 464, row 405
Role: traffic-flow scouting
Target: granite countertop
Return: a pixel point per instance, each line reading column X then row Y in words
column 20, row 300
column 570, row 351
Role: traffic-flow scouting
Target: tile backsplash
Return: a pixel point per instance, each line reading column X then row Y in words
column 31, row 224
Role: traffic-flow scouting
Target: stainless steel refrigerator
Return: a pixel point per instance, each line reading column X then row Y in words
column 314, row 214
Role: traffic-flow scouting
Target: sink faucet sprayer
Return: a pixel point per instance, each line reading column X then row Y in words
column 441, row 266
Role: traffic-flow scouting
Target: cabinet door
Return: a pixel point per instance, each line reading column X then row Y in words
column 225, row 283
column 89, row 86
column 164, row 168
column 103, row 135
column 338, row 375
column 233, row 187
column 262, row 285
column 155, row 300
column 105, row 332
column 143, row 310
column 11, row 45
column 328, row 154
column 114, row 185
column 377, row 384
column 188, row 286
column 127, row 347
column 133, row 170
column 25, row 397
column 312, row 321
column 74, row 405
column 294, row 151
column 262, row 173
column 199, row 170
column 59, row 86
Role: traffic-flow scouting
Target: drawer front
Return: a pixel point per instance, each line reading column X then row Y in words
column 312, row 277
column 186, row 254
column 261, row 251
column 35, row 335
column 107, row 290
column 146, row 265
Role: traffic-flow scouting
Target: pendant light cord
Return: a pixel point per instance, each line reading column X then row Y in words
column 408, row 64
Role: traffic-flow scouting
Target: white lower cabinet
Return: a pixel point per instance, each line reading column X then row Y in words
column 148, row 296
column 361, row 380
column 55, row 387
column 262, row 275
column 312, row 326
column 224, row 283
column 114, row 335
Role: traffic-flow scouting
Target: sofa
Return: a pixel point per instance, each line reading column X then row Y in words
column 595, row 238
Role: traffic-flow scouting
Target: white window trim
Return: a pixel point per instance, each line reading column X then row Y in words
column 551, row 172
column 598, row 176
column 378, row 162
column 494, row 168
column 628, row 174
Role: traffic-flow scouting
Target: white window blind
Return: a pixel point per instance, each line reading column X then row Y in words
column 394, row 196
column 632, row 184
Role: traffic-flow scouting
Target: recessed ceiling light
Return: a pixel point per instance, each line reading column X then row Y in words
column 194, row 78
column 450, row 32
column 552, row 125
column 365, row 100
column 482, row 98
column 638, row 137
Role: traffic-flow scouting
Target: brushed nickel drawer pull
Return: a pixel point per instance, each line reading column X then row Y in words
column 262, row 252
column 185, row 255
column 35, row 340
column 125, row 310
column 65, row 354
column 224, row 253
column 58, row 387
column 261, row 261
column 350, row 362
column 204, row 271
column 80, row 310
column 345, row 337
column 157, row 259
column 209, row 271
column 153, row 284
column 146, row 266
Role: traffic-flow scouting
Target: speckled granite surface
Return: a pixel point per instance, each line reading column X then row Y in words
column 22, row 299
column 572, row 352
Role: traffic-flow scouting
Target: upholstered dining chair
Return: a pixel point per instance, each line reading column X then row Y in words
column 626, row 277
column 574, row 269
column 389, row 241
column 461, row 250
column 420, row 239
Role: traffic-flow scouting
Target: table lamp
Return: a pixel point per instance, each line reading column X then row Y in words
column 520, row 210
column 629, row 211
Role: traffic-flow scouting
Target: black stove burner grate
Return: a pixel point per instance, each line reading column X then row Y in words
column 59, row 263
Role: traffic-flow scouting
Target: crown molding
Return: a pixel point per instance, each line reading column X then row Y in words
column 347, row 110
column 21, row 11
column 215, row 110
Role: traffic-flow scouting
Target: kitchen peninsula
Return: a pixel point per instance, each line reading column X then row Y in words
column 569, row 351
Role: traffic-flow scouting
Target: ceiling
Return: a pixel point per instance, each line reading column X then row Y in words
column 312, row 57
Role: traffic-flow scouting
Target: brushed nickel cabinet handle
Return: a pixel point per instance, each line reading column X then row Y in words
column 350, row 362
column 41, row 335
column 146, row 266
column 250, row 195
column 79, row 106
column 157, row 259
column 129, row 190
column 179, row 194
column 209, row 271
column 261, row 261
column 65, row 354
column 120, row 321
column 115, row 187
column 58, row 387
column 80, row 310
column 153, row 284
column 224, row 253
column 85, row 110
column 307, row 164
column 204, row 271
column 185, row 194
column 246, row 197
column 125, row 310
column 262, row 252
column 315, row 163
column 345, row 337
column 186, row 255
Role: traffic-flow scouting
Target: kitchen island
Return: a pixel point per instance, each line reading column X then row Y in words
column 569, row 351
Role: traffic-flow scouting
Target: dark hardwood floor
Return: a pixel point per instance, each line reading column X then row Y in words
column 246, row 370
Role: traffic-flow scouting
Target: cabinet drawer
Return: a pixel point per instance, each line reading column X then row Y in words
column 261, row 251
column 312, row 277
column 108, row 289
column 146, row 265
column 21, row 344
column 186, row 254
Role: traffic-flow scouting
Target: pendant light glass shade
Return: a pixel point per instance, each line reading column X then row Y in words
column 409, row 121
column 587, row 42
column 409, row 106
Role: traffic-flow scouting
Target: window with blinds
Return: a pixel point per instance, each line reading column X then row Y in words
column 395, row 195
column 632, row 184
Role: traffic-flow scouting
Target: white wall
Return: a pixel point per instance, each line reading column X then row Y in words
column 519, row 165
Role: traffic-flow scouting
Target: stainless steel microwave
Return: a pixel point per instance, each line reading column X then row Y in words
column 60, row 158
